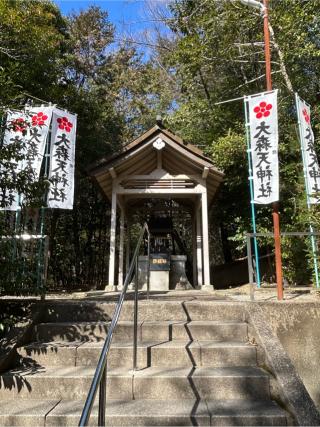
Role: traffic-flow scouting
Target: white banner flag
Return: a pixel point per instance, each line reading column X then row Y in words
column 36, row 136
column 29, row 130
column 309, row 155
column 15, row 124
column 62, row 160
column 263, row 123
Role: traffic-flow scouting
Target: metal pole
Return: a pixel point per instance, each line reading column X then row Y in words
column 275, row 205
column 312, row 237
column 135, row 319
column 41, row 277
column 102, row 399
column 250, row 266
column 148, row 267
column 45, row 266
column 253, row 212
column 17, row 260
column 267, row 52
column 17, row 224
column 40, row 264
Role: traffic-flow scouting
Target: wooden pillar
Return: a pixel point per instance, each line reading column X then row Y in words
column 121, row 248
column 199, row 248
column 127, row 246
column 112, row 256
column 194, row 249
column 205, row 239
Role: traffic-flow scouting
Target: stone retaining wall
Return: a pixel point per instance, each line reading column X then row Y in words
column 297, row 326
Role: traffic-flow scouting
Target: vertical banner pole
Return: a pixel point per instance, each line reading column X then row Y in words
column 17, row 224
column 250, row 267
column 253, row 213
column 41, row 279
column 275, row 205
column 312, row 237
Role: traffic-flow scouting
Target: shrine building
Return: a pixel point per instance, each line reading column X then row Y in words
column 168, row 183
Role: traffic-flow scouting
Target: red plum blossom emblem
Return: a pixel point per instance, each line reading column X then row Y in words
column 64, row 124
column 262, row 110
column 306, row 116
column 39, row 119
column 19, row 125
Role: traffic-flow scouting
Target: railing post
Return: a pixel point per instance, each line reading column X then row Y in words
column 135, row 319
column 102, row 399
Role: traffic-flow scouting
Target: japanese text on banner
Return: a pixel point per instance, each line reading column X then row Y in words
column 263, row 122
column 62, row 160
column 310, row 160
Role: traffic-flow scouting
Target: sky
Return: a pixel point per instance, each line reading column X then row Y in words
column 119, row 10
column 129, row 14
column 130, row 17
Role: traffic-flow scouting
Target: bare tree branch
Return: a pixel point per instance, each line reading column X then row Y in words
column 132, row 41
column 282, row 63
column 257, row 78
column 9, row 52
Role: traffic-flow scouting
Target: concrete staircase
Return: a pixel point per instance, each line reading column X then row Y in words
column 196, row 367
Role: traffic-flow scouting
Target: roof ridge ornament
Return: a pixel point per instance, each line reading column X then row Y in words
column 159, row 144
column 159, row 120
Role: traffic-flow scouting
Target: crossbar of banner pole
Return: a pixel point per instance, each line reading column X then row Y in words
column 255, row 95
column 285, row 233
column 253, row 212
column 49, row 103
column 242, row 97
column 229, row 100
column 23, row 236
column 312, row 236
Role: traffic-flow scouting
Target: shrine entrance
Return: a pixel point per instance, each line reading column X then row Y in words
column 168, row 183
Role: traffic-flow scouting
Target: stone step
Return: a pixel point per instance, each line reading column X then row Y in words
column 147, row 331
column 150, row 383
column 103, row 311
column 149, row 310
column 245, row 413
column 36, row 382
column 135, row 413
column 210, row 330
column 170, row 353
column 84, row 354
column 49, row 353
column 25, row 412
column 144, row 413
column 82, row 331
column 201, row 383
column 203, row 353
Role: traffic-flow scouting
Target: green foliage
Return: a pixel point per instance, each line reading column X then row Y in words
column 12, row 313
column 32, row 42
column 213, row 53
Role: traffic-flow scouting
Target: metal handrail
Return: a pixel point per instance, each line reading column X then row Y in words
column 100, row 376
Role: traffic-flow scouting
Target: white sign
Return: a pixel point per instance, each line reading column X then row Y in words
column 263, row 125
column 62, row 160
column 309, row 155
